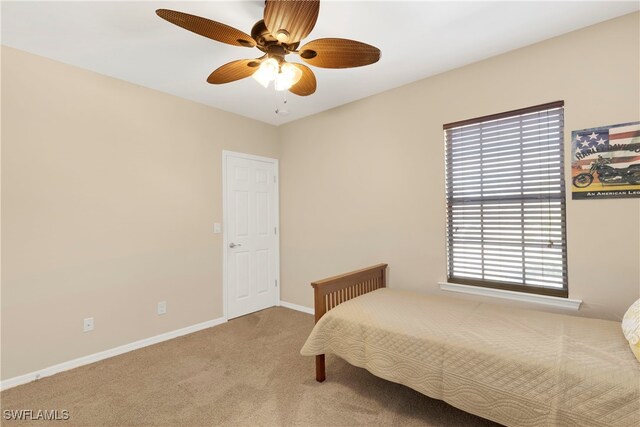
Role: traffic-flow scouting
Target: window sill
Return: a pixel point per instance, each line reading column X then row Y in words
column 566, row 303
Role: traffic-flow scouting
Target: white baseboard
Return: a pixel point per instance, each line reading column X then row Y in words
column 297, row 307
column 85, row 360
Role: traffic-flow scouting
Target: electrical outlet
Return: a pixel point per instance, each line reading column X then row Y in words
column 88, row 324
column 162, row 307
column 217, row 228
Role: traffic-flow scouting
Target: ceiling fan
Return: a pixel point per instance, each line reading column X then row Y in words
column 285, row 24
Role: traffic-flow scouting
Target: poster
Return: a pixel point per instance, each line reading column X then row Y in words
column 606, row 162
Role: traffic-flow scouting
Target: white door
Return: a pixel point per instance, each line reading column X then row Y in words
column 251, row 233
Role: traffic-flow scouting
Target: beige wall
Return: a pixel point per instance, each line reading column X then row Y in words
column 109, row 195
column 364, row 183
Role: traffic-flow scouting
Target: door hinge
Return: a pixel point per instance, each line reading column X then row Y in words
column 276, row 283
column 274, row 179
column 275, row 230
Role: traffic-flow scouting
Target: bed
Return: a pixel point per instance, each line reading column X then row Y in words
column 513, row 366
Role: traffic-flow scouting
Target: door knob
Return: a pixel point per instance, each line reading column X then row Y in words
column 233, row 245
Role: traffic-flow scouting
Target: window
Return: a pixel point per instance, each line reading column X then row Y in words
column 506, row 201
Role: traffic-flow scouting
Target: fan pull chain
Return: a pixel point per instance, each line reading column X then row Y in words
column 281, row 111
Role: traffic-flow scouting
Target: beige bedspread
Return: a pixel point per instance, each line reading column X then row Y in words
column 516, row 367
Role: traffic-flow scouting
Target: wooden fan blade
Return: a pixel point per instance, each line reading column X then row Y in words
column 339, row 53
column 292, row 20
column 233, row 71
column 207, row 28
column 307, row 83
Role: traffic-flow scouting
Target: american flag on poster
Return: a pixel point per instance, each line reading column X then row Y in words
column 617, row 143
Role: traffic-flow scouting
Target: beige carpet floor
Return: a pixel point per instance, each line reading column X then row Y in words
column 247, row 372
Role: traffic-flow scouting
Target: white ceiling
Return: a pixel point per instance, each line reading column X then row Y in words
column 418, row 39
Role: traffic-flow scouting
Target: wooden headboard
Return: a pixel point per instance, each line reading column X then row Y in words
column 330, row 292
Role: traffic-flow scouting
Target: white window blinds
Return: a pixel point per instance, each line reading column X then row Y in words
column 506, row 201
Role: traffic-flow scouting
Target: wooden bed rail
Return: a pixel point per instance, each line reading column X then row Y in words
column 328, row 293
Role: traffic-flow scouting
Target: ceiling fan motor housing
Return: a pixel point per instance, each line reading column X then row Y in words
column 264, row 39
column 277, row 52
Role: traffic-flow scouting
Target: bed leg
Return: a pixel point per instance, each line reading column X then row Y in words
column 320, row 375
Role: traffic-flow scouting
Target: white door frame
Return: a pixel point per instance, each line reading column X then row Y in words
column 225, row 217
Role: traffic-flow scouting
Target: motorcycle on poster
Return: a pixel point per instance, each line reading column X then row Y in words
column 606, row 162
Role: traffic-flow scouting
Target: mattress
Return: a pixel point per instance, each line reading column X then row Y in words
column 516, row 367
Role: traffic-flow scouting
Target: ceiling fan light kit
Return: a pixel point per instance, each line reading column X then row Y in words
column 285, row 24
